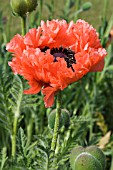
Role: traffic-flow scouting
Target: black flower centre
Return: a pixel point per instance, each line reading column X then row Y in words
column 65, row 53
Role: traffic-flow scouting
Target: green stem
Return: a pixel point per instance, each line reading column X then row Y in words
column 105, row 9
column 77, row 9
column 57, row 145
column 57, row 121
column 42, row 110
column 6, row 58
column 16, row 116
column 23, row 24
column 14, row 136
column 52, row 12
column 40, row 11
column 27, row 23
column 30, row 129
column 111, row 168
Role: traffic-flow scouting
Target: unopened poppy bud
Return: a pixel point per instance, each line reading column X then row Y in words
column 89, row 158
column 74, row 153
column 51, row 119
column 86, row 6
column 86, row 161
column 64, row 118
column 19, row 7
column 97, row 153
column 31, row 5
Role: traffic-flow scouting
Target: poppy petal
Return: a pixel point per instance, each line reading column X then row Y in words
column 49, row 93
column 35, row 88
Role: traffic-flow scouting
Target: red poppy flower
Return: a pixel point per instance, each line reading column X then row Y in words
column 56, row 55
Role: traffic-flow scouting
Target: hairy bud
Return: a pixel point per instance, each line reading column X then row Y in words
column 64, row 119
column 89, row 158
column 21, row 7
column 31, row 5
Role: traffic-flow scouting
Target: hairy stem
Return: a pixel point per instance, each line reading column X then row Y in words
column 57, row 121
column 111, row 168
column 16, row 116
column 30, row 129
column 15, row 123
column 14, row 136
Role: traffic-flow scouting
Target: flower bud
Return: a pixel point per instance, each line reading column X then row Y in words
column 51, row 119
column 86, row 161
column 86, row 6
column 97, row 153
column 31, row 5
column 74, row 153
column 21, row 7
column 64, row 118
column 89, row 158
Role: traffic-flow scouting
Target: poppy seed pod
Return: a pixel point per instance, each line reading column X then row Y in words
column 64, row 119
column 87, row 158
column 21, row 7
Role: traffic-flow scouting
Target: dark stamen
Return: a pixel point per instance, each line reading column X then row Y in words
column 44, row 49
column 61, row 52
column 65, row 53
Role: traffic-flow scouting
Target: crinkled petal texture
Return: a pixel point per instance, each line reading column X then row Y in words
column 38, row 66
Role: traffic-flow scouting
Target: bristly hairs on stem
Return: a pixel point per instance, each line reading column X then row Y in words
column 57, row 121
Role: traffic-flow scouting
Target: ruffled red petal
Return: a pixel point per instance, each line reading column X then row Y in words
column 16, row 45
column 35, row 87
column 32, row 38
column 49, row 93
column 98, row 67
